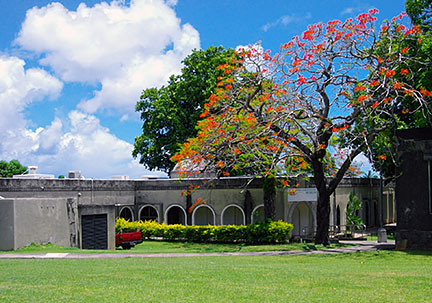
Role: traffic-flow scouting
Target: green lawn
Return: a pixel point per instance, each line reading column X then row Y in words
column 384, row 276
column 178, row 247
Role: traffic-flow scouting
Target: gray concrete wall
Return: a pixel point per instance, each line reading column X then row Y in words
column 39, row 220
column 7, row 241
column 413, row 189
column 164, row 193
column 109, row 210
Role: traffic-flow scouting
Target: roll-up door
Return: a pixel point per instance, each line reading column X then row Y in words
column 94, row 231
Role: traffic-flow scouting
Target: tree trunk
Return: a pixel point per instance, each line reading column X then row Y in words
column 323, row 216
column 269, row 189
column 323, row 204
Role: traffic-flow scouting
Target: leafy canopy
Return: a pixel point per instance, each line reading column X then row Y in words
column 170, row 113
column 382, row 150
column 9, row 169
column 335, row 88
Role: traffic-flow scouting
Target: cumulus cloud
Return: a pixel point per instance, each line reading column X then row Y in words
column 19, row 88
column 77, row 143
column 81, row 143
column 125, row 47
column 286, row 20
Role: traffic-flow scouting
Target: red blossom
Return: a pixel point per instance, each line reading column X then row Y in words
column 398, row 85
column 390, row 73
column 404, row 72
column 359, row 88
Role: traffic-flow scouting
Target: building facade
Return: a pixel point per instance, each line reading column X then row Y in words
column 84, row 205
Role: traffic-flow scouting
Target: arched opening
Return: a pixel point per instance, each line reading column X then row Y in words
column 375, row 214
column 175, row 215
column 366, row 217
column 126, row 213
column 148, row 213
column 302, row 220
column 257, row 213
column 233, row 215
column 203, row 215
column 338, row 216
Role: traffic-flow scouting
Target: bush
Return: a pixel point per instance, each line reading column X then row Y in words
column 266, row 231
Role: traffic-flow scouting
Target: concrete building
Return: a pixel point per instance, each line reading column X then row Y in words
column 414, row 189
column 81, row 212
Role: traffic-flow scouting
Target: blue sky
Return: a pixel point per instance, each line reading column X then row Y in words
column 72, row 71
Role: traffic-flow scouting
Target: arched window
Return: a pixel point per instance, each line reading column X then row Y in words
column 175, row 214
column 203, row 215
column 233, row 215
column 258, row 213
column 302, row 220
column 126, row 213
column 148, row 213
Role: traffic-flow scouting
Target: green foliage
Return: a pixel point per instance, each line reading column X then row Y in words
column 170, row 113
column 266, row 231
column 354, row 205
column 8, row 169
column 420, row 12
column 407, row 113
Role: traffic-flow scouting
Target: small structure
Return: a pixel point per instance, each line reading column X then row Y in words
column 33, row 174
column 414, row 189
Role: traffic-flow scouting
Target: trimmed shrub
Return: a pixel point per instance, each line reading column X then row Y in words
column 266, row 231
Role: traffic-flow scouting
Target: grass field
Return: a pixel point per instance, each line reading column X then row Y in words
column 384, row 276
column 178, row 247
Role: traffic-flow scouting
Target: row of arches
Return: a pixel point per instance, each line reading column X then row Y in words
column 202, row 215
column 368, row 213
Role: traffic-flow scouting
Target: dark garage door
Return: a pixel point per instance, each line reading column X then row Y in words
column 94, row 231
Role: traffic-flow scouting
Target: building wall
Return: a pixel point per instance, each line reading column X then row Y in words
column 26, row 221
column 413, row 189
column 228, row 196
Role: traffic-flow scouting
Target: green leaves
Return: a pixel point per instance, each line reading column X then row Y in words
column 170, row 113
column 8, row 169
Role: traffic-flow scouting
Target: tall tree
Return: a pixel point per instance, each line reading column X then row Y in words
column 420, row 12
column 170, row 113
column 382, row 149
column 9, row 169
column 325, row 91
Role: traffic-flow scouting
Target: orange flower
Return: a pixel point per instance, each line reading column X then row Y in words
column 398, row 85
column 404, row 72
column 359, row 88
column 362, row 98
column 390, row 73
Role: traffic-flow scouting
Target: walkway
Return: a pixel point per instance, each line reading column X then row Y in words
column 360, row 246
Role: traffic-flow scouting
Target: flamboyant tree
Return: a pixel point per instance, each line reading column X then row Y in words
column 332, row 89
column 419, row 12
column 170, row 113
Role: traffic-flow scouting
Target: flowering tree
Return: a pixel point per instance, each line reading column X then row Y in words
column 332, row 89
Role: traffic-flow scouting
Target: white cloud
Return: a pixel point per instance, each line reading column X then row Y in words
column 362, row 162
column 286, row 20
column 77, row 143
column 360, row 7
column 81, row 145
column 126, row 48
column 19, row 88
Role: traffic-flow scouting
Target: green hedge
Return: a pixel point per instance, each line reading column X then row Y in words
column 266, row 231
